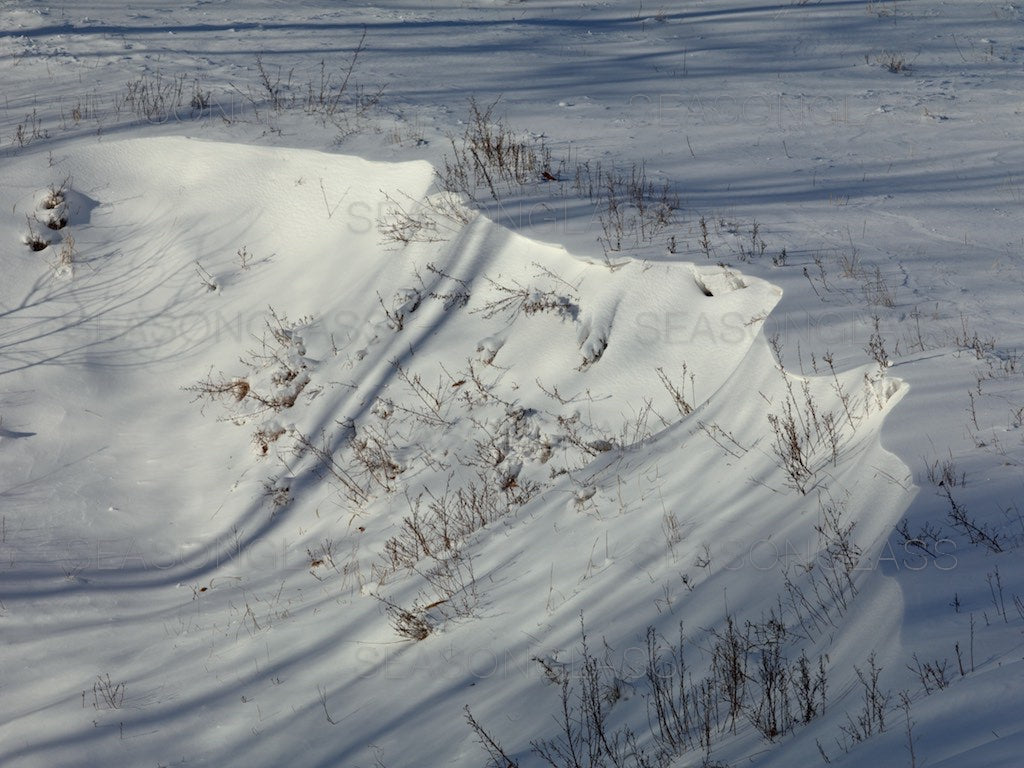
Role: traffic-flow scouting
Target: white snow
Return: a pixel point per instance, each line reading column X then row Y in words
column 308, row 443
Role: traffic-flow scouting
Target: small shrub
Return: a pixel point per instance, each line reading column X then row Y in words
column 893, row 61
column 943, row 473
column 967, row 338
column 490, row 156
column 200, row 101
column 400, row 225
column 876, row 345
column 54, row 197
column 412, row 624
column 154, row 97
column 66, row 255
column 871, row 717
column 931, row 674
column 57, row 221
column 684, row 406
column 36, row 242
column 976, row 532
column 515, row 299
column 30, row 130
column 107, row 694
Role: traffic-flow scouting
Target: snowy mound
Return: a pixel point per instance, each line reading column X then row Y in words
column 274, row 448
column 530, row 384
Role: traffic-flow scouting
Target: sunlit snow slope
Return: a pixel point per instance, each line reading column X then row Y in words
column 230, row 423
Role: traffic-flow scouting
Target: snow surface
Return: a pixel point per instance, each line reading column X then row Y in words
column 229, row 390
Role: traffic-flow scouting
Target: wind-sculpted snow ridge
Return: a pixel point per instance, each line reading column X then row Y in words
column 300, row 455
column 337, row 490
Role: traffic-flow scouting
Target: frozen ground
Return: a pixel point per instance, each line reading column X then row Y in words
column 360, row 365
